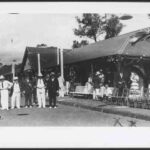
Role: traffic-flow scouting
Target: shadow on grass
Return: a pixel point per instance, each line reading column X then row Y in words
column 22, row 114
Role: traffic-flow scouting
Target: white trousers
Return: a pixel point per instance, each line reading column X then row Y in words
column 61, row 92
column 67, row 87
column 4, row 99
column 95, row 93
column 41, row 97
column 15, row 100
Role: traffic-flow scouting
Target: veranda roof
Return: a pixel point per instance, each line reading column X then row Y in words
column 119, row 45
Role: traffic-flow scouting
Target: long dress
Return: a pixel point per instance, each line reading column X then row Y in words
column 134, row 89
column 61, row 85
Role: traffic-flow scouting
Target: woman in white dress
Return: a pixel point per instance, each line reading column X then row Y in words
column 134, row 89
column 61, row 86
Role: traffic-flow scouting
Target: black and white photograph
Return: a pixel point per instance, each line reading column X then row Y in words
column 61, row 67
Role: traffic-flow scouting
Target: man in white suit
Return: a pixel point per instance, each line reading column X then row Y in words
column 40, row 91
column 15, row 99
column 4, row 86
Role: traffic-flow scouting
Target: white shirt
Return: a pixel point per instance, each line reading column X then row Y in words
column 108, row 91
column 40, row 83
column 5, row 85
column 16, row 87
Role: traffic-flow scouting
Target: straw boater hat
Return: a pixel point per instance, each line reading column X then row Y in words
column 2, row 77
column 15, row 78
column 97, row 73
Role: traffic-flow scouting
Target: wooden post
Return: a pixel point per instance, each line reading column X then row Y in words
column 13, row 70
column 61, row 63
column 92, row 70
column 39, row 64
column 58, row 57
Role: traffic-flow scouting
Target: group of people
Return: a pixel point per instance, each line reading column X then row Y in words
column 36, row 89
column 97, row 85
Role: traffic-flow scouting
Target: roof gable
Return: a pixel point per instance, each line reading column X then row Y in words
column 48, row 57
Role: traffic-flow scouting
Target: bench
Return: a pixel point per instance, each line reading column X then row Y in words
column 81, row 91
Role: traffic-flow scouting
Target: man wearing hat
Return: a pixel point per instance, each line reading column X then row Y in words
column 101, row 76
column 52, row 87
column 4, row 87
column 96, row 86
column 40, row 91
column 15, row 99
column 34, row 84
column 28, row 90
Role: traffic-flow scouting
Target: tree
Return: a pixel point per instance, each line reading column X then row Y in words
column 94, row 25
column 41, row 45
column 90, row 25
column 112, row 27
column 77, row 44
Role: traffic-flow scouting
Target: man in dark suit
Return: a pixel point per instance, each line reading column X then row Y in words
column 121, row 84
column 34, row 82
column 52, row 87
column 28, row 89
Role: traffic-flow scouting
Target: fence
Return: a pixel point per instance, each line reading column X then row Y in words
column 127, row 97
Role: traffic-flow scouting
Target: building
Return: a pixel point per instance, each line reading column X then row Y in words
column 118, row 56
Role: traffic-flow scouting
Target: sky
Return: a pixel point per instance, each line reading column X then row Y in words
column 19, row 31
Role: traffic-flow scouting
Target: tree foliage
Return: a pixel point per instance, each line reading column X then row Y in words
column 77, row 44
column 41, row 45
column 90, row 25
column 112, row 27
column 94, row 25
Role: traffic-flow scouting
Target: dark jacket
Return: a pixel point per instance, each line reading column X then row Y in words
column 27, row 87
column 96, row 82
column 53, row 86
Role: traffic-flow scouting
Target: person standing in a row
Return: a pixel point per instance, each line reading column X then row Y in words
column 28, row 89
column 34, row 90
column 52, row 87
column 15, row 94
column 4, row 87
column 41, row 92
